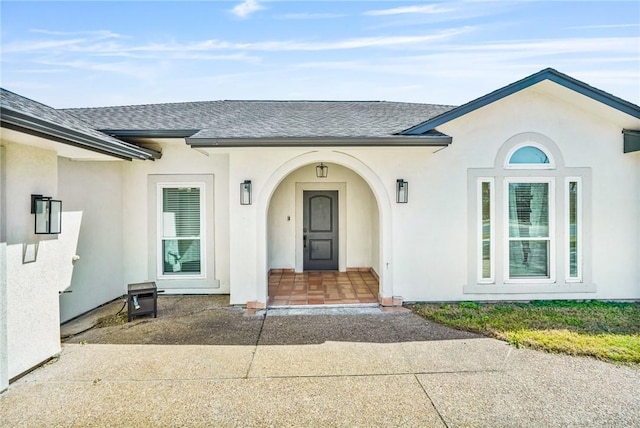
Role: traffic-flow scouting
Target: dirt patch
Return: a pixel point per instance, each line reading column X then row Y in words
column 111, row 320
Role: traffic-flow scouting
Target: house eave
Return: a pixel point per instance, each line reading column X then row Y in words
column 392, row 141
column 17, row 121
column 149, row 133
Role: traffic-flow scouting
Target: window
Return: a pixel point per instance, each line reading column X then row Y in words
column 529, row 156
column 530, row 248
column 528, row 218
column 181, row 230
column 573, row 208
column 485, row 238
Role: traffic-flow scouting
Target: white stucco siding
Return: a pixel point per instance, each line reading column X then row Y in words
column 584, row 140
column 92, row 197
column 178, row 160
column 373, row 173
column 32, row 261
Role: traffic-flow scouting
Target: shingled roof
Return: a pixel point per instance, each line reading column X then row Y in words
column 267, row 120
column 25, row 115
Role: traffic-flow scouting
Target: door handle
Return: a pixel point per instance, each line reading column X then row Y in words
column 304, row 237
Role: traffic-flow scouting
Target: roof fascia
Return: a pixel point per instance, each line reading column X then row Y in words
column 631, row 140
column 49, row 136
column 546, row 74
column 394, row 141
column 150, row 133
column 21, row 122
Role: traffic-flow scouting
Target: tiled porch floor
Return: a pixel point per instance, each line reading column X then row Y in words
column 320, row 288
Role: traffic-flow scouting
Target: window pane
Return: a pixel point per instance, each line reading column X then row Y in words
column 573, row 229
column 486, row 259
column 181, row 256
column 528, row 210
column 181, row 212
column 529, row 155
column 529, row 259
column 486, row 230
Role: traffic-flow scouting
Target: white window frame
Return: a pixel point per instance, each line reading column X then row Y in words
column 550, row 165
column 552, row 227
column 492, row 233
column 160, row 232
column 567, row 228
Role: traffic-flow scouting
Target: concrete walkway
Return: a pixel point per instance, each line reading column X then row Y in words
column 367, row 368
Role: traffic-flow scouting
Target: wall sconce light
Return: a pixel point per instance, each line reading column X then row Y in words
column 245, row 192
column 48, row 213
column 322, row 171
column 402, row 191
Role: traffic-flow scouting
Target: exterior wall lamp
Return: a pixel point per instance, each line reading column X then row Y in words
column 245, row 192
column 322, row 171
column 48, row 215
column 402, row 191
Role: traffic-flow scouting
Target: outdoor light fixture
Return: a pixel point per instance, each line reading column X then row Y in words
column 245, row 192
column 402, row 191
column 322, row 170
column 48, row 215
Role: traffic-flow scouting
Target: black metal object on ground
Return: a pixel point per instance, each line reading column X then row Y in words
column 142, row 299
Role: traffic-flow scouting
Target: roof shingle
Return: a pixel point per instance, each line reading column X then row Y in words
column 266, row 119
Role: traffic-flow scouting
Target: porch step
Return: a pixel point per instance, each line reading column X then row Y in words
column 351, row 309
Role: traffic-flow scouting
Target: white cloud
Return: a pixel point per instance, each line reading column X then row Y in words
column 97, row 34
column 603, row 26
column 246, row 8
column 425, row 9
column 310, row 16
column 113, row 48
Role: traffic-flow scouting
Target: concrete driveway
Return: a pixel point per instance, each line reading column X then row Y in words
column 322, row 368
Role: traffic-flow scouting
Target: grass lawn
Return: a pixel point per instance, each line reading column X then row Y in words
column 604, row 330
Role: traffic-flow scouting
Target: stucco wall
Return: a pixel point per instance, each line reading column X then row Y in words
column 92, row 195
column 177, row 160
column 585, row 141
column 429, row 257
column 33, row 262
column 4, row 351
column 420, row 249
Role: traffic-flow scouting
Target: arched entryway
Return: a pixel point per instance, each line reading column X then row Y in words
column 363, row 227
column 323, row 239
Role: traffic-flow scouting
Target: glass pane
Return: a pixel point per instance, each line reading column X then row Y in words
column 486, row 259
column 486, row 210
column 486, row 229
column 181, row 212
column 528, row 259
column 42, row 216
column 56, row 217
column 573, row 229
column 181, row 256
column 528, row 210
column 529, row 155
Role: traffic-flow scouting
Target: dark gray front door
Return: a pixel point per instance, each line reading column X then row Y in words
column 320, row 230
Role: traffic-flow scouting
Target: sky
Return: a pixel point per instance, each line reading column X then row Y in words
column 92, row 53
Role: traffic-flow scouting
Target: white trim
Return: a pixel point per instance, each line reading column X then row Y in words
column 550, row 165
column 567, row 229
column 160, row 235
column 552, row 226
column 492, row 234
